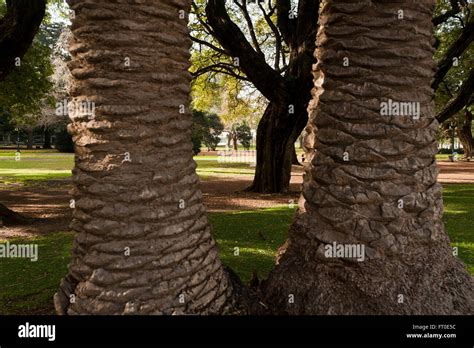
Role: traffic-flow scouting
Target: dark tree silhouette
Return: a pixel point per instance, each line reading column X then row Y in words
column 17, row 30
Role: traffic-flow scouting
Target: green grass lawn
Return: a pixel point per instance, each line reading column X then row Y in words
column 34, row 166
column 459, row 220
column 27, row 287
column 42, row 165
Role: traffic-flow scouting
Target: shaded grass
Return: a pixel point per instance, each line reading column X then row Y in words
column 26, row 286
column 248, row 240
column 459, row 220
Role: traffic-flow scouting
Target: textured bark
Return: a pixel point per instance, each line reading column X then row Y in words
column 151, row 205
column 409, row 267
column 17, row 31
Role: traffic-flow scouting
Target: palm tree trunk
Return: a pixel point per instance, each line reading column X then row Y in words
column 371, row 191
column 143, row 243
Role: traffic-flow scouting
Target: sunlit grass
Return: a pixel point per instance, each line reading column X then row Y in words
column 34, row 166
column 42, row 165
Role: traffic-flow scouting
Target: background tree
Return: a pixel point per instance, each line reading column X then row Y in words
column 269, row 44
column 28, row 93
column 243, row 134
column 206, row 130
column 231, row 99
column 454, row 80
column 19, row 22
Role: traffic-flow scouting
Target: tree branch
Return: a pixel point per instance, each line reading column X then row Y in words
column 231, row 38
column 211, row 46
column 456, row 49
column 245, row 12
column 276, row 32
column 464, row 98
column 308, row 15
column 286, row 24
column 17, row 31
column 455, row 9
column 218, row 68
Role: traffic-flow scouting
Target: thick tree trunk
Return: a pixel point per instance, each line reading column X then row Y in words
column 276, row 135
column 465, row 135
column 30, row 139
column 371, row 188
column 47, row 139
column 143, row 243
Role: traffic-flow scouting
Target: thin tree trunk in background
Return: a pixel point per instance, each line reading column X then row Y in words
column 143, row 243
column 47, row 139
column 465, row 135
column 371, row 188
column 235, row 146
column 30, row 140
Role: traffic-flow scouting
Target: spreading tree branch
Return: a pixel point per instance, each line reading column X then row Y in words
column 222, row 68
column 456, row 50
column 276, row 32
column 17, row 30
column 286, row 23
column 266, row 80
column 243, row 8
column 208, row 44
column 464, row 98
column 455, row 9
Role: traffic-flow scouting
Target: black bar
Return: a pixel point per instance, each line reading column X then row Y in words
column 290, row 331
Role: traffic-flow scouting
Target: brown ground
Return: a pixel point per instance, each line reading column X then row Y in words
column 50, row 201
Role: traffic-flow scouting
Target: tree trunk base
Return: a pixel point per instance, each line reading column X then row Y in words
column 424, row 281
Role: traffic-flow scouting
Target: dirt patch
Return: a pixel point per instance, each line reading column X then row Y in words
column 456, row 172
column 48, row 203
column 228, row 193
